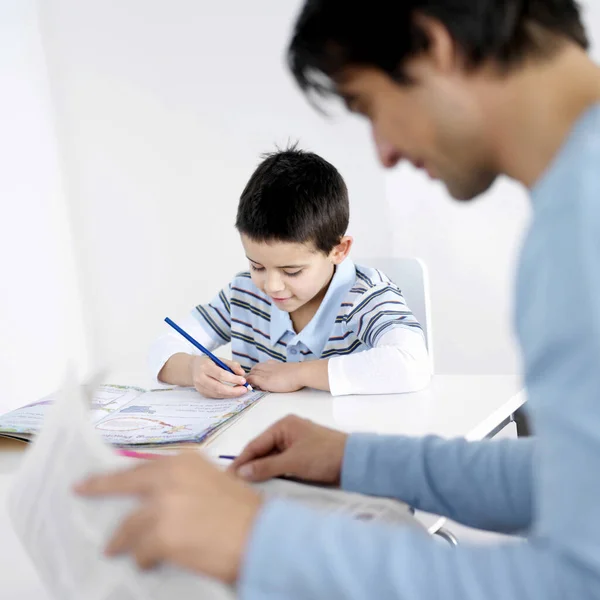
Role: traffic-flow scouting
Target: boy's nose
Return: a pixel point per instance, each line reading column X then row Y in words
column 274, row 284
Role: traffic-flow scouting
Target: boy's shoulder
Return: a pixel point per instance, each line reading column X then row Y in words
column 242, row 278
column 369, row 280
column 242, row 285
column 368, row 284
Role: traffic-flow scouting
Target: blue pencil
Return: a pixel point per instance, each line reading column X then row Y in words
column 202, row 349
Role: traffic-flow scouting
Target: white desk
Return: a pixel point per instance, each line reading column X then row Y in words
column 470, row 406
column 474, row 407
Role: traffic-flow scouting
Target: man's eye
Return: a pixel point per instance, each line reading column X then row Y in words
column 294, row 274
column 257, row 269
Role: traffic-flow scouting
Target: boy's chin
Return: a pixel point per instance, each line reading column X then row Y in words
column 293, row 307
column 290, row 306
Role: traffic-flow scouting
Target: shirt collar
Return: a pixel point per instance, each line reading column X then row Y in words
column 315, row 335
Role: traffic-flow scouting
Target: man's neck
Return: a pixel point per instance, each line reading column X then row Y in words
column 534, row 110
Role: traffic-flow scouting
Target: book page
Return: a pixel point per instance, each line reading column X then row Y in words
column 130, row 416
column 29, row 419
column 65, row 535
column 109, row 399
column 170, row 416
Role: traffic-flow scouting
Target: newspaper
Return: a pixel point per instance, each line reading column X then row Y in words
column 357, row 506
column 65, row 535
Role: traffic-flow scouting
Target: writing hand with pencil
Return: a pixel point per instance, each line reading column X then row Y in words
column 214, row 382
column 209, row 374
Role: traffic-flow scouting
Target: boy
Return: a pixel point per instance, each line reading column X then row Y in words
column 305, row 315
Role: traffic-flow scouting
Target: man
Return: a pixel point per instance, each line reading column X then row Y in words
column 468, row 90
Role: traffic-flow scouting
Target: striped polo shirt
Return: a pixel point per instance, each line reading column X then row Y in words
column 360, row 305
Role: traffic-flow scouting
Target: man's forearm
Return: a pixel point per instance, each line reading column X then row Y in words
column 485, row 484
column 331, row 556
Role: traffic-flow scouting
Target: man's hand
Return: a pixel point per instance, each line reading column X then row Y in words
column 191, row 515
column 274, row 376
column 294, row 447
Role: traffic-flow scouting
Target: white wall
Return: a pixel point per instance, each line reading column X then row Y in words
column 470, row 250
column 164, row 109
column 40, row 316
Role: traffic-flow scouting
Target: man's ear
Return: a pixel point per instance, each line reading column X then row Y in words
column 441, row 55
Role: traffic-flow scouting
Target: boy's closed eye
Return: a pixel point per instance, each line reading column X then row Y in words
column 288, row 273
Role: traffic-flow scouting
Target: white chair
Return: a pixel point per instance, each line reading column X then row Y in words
column 411, row 276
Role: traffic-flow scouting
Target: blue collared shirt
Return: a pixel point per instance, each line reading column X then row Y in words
column 360, row 305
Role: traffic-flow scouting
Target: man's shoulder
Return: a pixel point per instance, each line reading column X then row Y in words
column 583, row 162
column 575, row 170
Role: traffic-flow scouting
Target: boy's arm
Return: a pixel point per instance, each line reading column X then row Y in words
column 398, row 363
column 210, row 324
column 396, row 360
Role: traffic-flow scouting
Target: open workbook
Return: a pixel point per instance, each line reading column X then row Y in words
column 65, row 534
column 133, row 417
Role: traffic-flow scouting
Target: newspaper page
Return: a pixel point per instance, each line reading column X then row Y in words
column 356, row 506
column 65, row 535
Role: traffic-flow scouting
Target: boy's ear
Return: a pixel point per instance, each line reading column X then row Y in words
column 341, row 251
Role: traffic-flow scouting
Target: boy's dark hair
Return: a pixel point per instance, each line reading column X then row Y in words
column 331, row 35
column 295, row 196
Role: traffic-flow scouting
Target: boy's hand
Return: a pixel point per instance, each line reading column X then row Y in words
column 274, row 376
column 208, row 378
column 296, row 447
column 190, row 514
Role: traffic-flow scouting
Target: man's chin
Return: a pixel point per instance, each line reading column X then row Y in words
column 467, row 192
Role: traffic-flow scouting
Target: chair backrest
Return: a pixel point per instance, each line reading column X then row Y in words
column 411, row 276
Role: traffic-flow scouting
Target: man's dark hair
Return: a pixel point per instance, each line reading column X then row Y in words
column 295, row 196
column 331, row 35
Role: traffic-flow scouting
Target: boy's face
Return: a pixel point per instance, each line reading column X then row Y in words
column 292, row 274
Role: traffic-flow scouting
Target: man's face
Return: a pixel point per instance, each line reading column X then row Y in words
column 435, row 123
